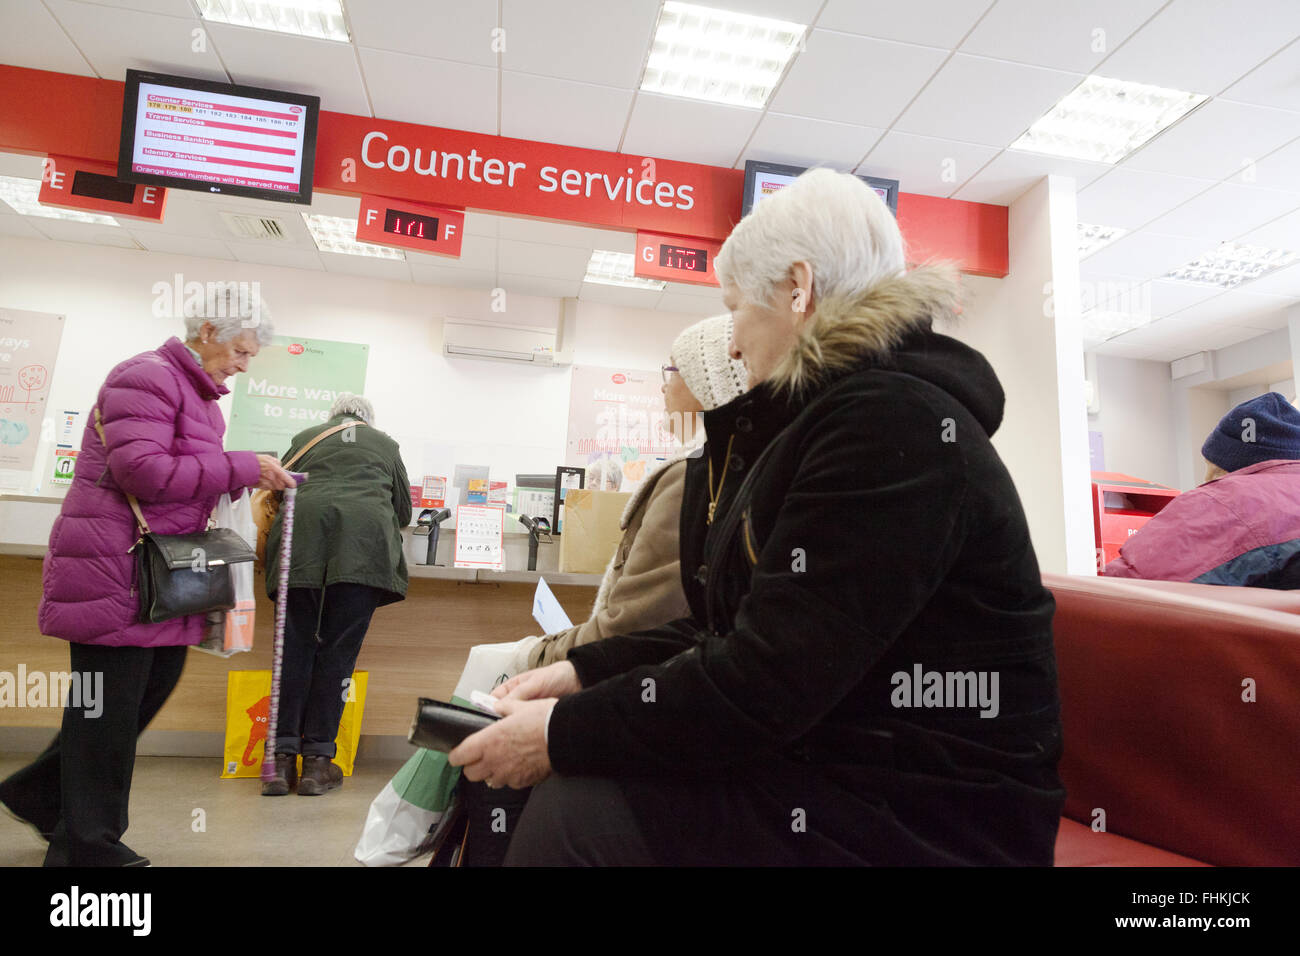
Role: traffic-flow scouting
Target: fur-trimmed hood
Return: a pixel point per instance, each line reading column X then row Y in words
column 891, row 327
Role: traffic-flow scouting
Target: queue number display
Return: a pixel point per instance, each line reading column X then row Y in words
column 419, row 226
column 676, row 258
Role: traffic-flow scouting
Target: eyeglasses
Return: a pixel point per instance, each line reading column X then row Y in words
column 666, row 369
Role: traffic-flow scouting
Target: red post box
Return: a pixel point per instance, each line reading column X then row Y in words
column 1115, row 523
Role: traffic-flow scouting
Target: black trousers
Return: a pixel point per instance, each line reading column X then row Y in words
column 578, row 821
column 323, row 631
column 79, row 787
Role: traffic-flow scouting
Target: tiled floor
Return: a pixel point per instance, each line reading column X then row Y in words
column 242, row 828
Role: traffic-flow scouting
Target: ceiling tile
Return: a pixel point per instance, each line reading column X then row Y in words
column 1283, row 282
column 1012, row 173
column 91, row 233
column 1217, row 140
column 922, row 164
column 565, row 234
column 407, row 88
column 170, row 8
column 856, row 80
column 1283, row 233
column 1203, row 46
column 459, row 30
column 21, row 166
column 31, row 37
column 1225, row 335
column 1129, row 198
column 276, row 254
column 1280, row 169
column 990, row 102
column 1225, row 212
column 1142, row 255
column 428, row 272
column 1064, row 36
column 540, row 285
column 367, row 266
column 539, row 259
column 1234, row 307
column 19, row 226
column 699, row 290
column 183, row 245
column 693, row 131
column 1272, row 83
column 477, row 254
column 620, row 295
column 479, row 224
column 799, row 141
column 548, row 110
column 280, row 61
column 330, row 204
column 117, row 40
column 791, row 11
column 593, row 41
column 936, row 23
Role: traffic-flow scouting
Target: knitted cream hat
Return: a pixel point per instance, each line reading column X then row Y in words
column 700, row 353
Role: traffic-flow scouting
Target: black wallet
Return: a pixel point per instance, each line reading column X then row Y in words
column 441, row 726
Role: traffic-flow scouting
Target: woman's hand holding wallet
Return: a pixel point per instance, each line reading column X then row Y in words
column 553, row 680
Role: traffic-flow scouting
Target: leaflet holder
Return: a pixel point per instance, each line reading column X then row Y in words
column 537, row 527
column 429, row 523
column 1122, row 504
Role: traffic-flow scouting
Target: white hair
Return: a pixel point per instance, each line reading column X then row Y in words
column 833, row 221
column 355, row 405
column 231, row 308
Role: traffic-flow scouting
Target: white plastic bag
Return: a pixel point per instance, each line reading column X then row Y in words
column 227, row 633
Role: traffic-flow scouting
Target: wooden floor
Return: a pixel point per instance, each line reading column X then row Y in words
column 415, row 648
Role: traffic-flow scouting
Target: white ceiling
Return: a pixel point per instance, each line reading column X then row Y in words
column 930, row 92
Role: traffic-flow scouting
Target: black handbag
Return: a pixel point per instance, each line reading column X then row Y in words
column 180, row 574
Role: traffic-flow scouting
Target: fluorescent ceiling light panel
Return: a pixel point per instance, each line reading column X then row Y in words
column 1093, row 238
column 21, row 195
column 322, row 19
column 1103, row 120
column 1100, row 324
column 1231, row 264
column 338, row 234
column 720, row 56
column 617, row 268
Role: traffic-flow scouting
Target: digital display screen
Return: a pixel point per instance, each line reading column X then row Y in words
column 217, row 137
column 411, row 224
column 683, row 257
column 99, row 186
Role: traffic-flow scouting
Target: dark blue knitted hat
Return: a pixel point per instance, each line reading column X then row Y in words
column 1263, row 429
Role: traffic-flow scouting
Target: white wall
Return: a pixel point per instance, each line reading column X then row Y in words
column 511, row 417
column 1136, row 419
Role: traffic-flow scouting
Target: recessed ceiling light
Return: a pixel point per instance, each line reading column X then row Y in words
column 322, row 19
column 1092, row 238
column 1231, row 264
column 617, row 268
column 338, row 234
column 21, row 194
column 1103, row 120
column 717, row 55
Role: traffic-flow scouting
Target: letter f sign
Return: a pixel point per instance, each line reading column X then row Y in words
column 370, row 215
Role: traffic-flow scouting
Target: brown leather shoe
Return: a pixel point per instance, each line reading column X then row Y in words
column 319, row 774
column 286, row 775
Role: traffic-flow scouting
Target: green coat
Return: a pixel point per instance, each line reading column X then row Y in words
column 349, row 515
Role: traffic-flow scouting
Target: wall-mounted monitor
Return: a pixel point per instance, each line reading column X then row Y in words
column 217, row 137
column 763, row 179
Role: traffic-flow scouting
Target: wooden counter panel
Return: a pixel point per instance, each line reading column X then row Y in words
column 414, row 648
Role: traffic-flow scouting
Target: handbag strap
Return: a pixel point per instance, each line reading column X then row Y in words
column 321, row 437
column 131, row 499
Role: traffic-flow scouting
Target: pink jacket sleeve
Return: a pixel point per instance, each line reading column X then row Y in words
column 138, row 410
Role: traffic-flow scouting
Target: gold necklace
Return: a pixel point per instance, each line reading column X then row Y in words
column 713, row 494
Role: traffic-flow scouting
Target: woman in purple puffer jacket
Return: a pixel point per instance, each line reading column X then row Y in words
column 163, row 432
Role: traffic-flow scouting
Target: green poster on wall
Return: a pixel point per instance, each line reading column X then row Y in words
column 289, row 386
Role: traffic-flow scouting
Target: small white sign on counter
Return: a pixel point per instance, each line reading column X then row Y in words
column 478, row 537
column 547, row 611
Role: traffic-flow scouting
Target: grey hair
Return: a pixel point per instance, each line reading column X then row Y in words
column 231, row 308
column 355, row 405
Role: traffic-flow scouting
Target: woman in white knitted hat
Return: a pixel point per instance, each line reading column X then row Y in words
column 642, row 586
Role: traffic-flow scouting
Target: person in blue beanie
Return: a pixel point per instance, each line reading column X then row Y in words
column 1242, row 526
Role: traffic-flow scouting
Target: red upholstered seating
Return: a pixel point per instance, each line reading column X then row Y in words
column 1157, row 734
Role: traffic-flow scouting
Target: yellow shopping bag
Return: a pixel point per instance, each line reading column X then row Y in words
column 248, row 707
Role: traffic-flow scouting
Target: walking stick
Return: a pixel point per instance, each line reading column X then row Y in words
column 281, row 607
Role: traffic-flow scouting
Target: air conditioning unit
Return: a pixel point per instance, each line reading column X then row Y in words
column 499, row 343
